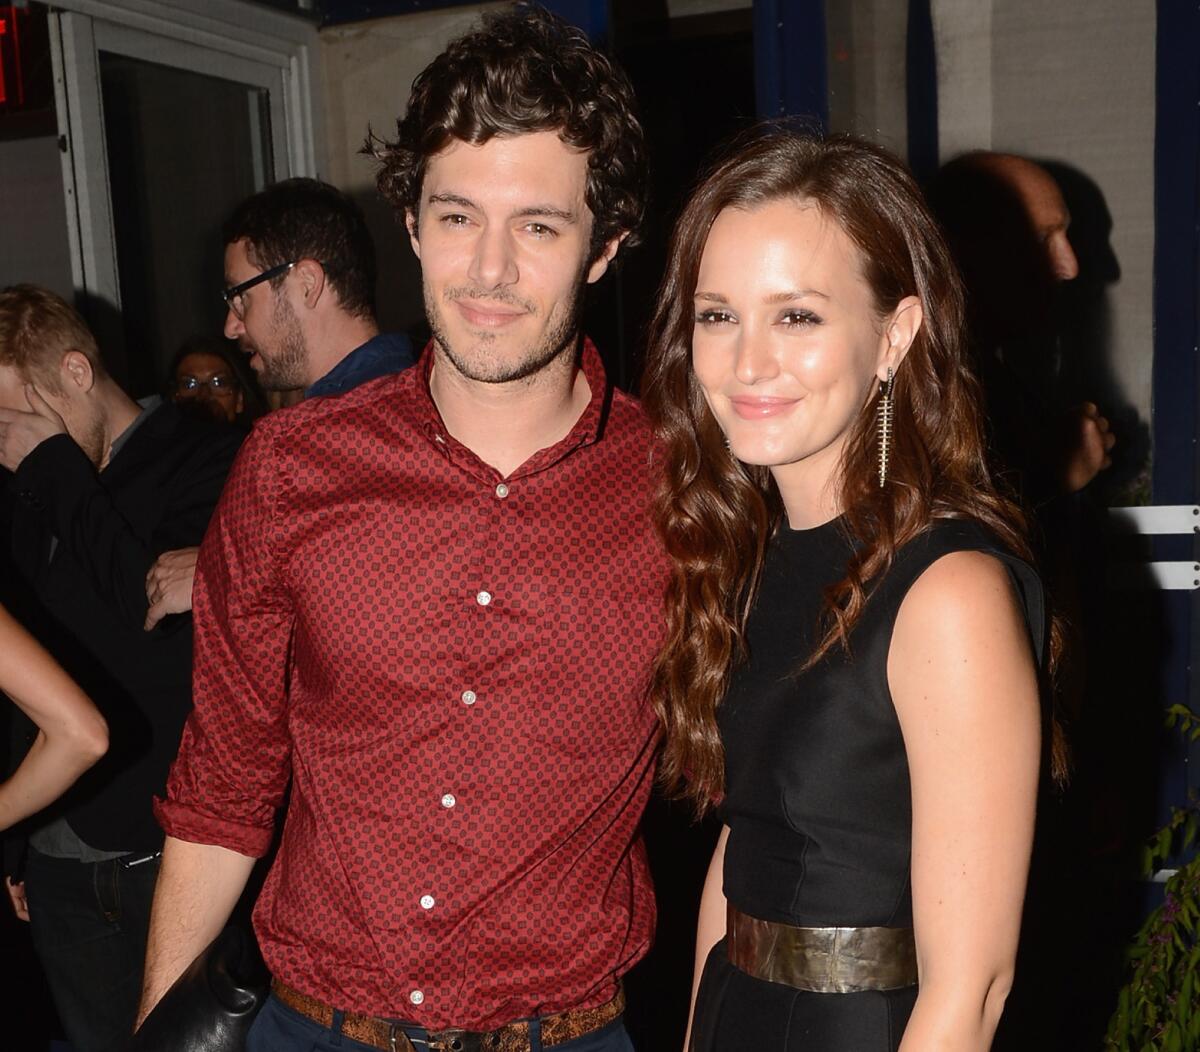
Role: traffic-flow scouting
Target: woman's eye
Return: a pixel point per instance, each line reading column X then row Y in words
column 713, row 317
column 799, row 317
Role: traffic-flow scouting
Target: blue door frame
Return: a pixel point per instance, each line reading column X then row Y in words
column 1176, row 372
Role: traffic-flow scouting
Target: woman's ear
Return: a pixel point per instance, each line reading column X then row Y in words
column 901, row 329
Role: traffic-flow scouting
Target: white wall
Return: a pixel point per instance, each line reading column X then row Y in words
column 369, row 70
column 687, row 8
column 33, row 218
column 1070, row 81
column 866, row 70
column 1073, row 81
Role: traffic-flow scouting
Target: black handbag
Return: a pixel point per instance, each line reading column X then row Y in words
column 211, row 1005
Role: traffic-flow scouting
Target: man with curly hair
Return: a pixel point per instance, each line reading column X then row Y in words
column 433, row 603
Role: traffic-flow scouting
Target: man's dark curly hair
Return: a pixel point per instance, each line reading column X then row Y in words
column 308, row 219
column 524, row 70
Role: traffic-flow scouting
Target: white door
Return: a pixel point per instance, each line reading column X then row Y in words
column 168, row 124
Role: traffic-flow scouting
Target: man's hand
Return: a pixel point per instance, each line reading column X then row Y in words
column 16, row 894
column 169, row 584
column 1087, row 447
column 21, row 432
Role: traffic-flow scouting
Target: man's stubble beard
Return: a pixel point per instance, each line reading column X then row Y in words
column 287, row 367
column 556, row 341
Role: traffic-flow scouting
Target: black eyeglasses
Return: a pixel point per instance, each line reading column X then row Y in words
column 234, row 296
column 217, row 383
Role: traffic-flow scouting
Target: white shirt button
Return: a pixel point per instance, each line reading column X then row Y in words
column 449, row 800
column 468, row 697
column 502, row 491
column 483, row 598
column 426, row 904
column 416, row 997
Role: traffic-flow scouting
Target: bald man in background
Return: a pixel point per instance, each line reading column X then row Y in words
column 1008, row 225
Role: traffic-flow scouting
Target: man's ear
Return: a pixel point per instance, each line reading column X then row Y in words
column 311, row 276
column 410, row 221
column 898, row 334
column 76, row 373
column 600, row 263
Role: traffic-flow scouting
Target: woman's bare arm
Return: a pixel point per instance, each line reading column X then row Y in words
column 71, row 734
column 963, row 681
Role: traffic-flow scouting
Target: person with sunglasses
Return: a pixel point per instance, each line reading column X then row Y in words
column 205, row 378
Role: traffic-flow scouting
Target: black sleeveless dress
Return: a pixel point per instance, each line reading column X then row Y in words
column 818, row 798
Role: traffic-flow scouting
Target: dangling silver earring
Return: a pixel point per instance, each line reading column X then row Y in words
column 884, row 425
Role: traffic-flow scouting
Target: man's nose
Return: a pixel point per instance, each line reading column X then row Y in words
column 1063, row 262
column 494, row 263
column 233, row 325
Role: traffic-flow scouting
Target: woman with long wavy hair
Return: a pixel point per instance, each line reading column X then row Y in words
column 855, row 631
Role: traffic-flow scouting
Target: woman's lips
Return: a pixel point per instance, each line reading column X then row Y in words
column 487, row 315
column 759, row 408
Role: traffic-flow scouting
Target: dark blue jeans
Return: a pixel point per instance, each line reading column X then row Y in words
column 89, row 922
column 279, row 1029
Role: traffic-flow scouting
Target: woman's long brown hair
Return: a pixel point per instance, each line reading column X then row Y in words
column 716, row 515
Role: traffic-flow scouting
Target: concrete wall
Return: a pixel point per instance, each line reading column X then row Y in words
column 33, row 218
column 866, row 70
column 1073, row 83
column 369, row 70
column 687, row 8
column 1070, row 82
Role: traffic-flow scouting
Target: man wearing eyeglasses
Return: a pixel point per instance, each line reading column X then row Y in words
column 100, row 487
column 300, row 292
column 300, row 288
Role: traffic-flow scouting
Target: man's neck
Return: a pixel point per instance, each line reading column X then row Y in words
column 120, row 411
column 328, row 345
column 505, row 424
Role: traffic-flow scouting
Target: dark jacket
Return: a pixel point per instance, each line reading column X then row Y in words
column 87, row 603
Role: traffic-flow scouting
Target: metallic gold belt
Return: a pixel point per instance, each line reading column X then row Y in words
column 822, row 960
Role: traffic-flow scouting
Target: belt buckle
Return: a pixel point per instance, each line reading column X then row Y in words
column 456, row 1041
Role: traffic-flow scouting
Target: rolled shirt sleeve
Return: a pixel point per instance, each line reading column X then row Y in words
column 234, row 758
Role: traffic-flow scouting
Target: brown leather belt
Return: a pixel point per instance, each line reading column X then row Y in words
column 557, row 1029
column 821, row 960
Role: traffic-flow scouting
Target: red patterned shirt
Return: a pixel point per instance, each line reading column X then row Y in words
column 452, row 667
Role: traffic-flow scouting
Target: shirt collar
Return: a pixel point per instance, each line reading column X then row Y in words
column 384, row 353
column 147, row 406
column 586, row 430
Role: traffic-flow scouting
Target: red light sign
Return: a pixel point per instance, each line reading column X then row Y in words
column 3, row 73
column 26, row 72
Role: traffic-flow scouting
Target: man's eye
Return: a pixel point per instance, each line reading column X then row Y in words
column 455, row 219
column 540, row 230
column 713, row 317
